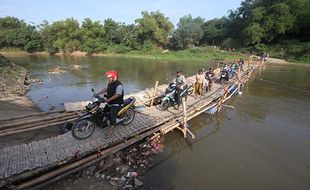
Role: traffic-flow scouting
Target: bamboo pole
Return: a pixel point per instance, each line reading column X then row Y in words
column 32, row 114
column 222, row 100
column 33, row 128
column 154, row 94
column 229, row 106
column 47, row 118
column 239, row 78
column 40, row 123
column 184, row 118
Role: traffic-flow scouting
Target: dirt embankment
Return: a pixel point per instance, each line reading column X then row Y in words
column 278, row 61
column 12, row 78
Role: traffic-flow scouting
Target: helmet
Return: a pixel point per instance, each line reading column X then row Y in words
column 113, row 74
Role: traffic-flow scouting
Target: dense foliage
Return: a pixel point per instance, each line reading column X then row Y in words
column 256, row 24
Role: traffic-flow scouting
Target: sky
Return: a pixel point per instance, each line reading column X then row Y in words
column 35, row 11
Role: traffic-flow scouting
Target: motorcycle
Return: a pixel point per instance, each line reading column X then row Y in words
column 224, row 75
column 170, row 95
column 99, row 116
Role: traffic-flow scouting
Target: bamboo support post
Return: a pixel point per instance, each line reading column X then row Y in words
column 222, row 100
column 184, row 118
column 184, row 129
column 154, row 94
column 239, row 79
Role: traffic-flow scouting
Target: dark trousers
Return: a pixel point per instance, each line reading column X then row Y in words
column 113, row 110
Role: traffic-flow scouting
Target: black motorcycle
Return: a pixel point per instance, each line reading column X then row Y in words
column 170, row 95
column 99, row 116
column 224, row 76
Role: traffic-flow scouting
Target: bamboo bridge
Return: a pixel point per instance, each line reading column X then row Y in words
column 39, row 163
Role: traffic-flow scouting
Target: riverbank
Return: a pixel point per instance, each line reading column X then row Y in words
column 192, row 54
column 12, row 78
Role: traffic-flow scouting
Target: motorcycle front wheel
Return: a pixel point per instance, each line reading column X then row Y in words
column 164, row 104
column 190, row 90
column 129, row 116
column 83, row 129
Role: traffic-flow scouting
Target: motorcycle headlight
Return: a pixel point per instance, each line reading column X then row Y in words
column 95, row 99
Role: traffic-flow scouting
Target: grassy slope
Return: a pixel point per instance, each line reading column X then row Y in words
column 292, row 51
column 199, row 54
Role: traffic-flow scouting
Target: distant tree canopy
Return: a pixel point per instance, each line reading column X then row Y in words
column 16, row 33
column 255, row 22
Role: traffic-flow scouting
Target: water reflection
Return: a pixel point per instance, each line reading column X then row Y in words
column 264, row 143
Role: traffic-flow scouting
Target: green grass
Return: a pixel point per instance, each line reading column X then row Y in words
column 292, row 51
column 195, row 54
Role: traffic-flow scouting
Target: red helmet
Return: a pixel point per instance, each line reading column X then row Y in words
column 113, row 74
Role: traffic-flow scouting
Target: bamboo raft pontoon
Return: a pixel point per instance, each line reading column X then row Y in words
column 48, row 160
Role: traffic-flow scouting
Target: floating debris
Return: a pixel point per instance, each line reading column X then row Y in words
column 55, row 70
column 125, row 170
column 75, row 66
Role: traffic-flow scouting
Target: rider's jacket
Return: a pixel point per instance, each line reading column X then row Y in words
column 111, row 90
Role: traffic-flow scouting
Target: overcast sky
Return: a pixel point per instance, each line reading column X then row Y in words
column 119, row 10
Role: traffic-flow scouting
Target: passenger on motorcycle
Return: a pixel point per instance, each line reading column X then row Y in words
column 115, row 96
column 180, row 82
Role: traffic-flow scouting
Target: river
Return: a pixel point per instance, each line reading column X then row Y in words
column 264, row 143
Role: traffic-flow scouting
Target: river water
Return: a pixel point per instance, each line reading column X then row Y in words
column 264, row 143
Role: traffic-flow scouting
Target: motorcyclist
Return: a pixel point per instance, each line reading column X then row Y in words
column 180, row 82
column 233, row 68
column 115, row 97
column 225, row 73
column 210, row 78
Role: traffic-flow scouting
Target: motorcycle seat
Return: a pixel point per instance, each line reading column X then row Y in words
column 128, row 101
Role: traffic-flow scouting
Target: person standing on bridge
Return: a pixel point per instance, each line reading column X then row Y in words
column 200, row 83
column 115, row 96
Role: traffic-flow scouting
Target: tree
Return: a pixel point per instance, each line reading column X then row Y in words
column 63, row 32
column 188, row 33
column 215, row 31
column 253, row 34
column 153, row 27
column 92, row 36
column 16, row 33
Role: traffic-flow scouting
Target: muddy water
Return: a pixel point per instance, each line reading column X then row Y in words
column 75, row 84
column 264, row 143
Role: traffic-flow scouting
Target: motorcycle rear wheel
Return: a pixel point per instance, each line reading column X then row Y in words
column 129, row 116
column 83, row 129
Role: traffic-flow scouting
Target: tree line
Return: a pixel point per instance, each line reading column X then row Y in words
column 253, row 24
